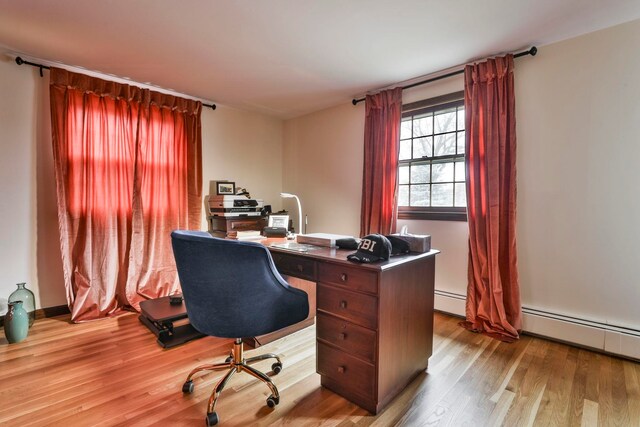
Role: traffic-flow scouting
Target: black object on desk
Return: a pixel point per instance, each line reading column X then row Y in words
column 159, row 316
column 274, row 231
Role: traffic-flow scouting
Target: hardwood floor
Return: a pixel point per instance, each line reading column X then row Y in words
column 112, row 373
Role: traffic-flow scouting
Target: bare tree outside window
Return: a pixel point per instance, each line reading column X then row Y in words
column 431, row 167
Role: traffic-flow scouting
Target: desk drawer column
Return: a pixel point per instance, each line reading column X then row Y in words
column 346, row 332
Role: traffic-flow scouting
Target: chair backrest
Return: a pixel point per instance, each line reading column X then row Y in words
column 232, row 289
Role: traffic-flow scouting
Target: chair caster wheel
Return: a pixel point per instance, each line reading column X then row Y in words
column 212, row 419
column 228, row 359
column 187, row 387
column 272, row 401
column 276, row 367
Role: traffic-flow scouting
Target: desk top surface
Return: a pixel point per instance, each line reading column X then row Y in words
column 339, row 256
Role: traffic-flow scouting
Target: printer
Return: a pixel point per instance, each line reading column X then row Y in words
column 234, row 206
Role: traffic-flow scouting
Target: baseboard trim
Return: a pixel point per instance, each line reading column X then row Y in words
column 608, row 338
column 450, row 302
column 41, row 313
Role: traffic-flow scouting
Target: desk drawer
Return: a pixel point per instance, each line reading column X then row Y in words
column 353, row 278
column 351, row 338
column 359, row 308
column 295, row 266
column 351, row 373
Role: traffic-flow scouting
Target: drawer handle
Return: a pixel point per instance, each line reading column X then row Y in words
column 344, row 277
column 342, row 336
column 343, row 304
column 341, row 369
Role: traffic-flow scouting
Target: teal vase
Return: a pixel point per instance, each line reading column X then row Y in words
column 16, row 323
column 28, row 301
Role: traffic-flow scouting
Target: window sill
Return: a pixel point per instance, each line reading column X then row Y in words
column 434, row 216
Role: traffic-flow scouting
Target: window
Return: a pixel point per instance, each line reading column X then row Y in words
column 431, row 169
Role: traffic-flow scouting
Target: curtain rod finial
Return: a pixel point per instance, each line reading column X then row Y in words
column 533, row 51
column 354, row 101
column 19, row 60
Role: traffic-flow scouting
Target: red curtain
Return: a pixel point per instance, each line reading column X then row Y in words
column 380, row 173
column 493, row 292
column 128, row 170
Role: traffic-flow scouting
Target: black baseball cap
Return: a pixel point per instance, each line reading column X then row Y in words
column 347, row 243
column 398, row 245
column 372, row 248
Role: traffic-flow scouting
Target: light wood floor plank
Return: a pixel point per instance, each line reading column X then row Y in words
column 632, row 384
column 590, row 414
column 499, row 413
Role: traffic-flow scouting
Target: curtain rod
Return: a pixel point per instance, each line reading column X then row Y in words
column 21, row 61
column 531, row 52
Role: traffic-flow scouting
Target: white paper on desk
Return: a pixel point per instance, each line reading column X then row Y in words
column 321, row 239
column 293, row 246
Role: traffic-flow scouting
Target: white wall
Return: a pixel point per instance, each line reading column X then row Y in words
column 323, row 166
column 238, row 146
column 245, row 148
column 578, row 124
column 21, row 169
column 578, row 127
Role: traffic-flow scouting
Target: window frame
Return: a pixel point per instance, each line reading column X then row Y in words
column 437, row 213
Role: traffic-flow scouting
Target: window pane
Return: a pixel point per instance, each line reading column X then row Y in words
column 461, row 118
column 445, row 122
column 461, row 143
column 405, row 150
column 420, row 195
column 442, row 195
column 460, row 172
column 420, row 174
column 405, row 128
column 443, row 172
column 461, row 195
column 432, row 173
column 422, row 147
column 403, row 195
column 403, row 175
column 422, row 125
column 444, row 144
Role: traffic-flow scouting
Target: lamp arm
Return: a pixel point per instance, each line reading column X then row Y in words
column 299, row 215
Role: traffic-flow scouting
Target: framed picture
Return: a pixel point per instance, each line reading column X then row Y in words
column 225, row 188
column 279, row 221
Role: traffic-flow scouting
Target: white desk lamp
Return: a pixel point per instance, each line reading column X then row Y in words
column 293, row 196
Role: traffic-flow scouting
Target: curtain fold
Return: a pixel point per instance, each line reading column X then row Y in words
column 128, row 170
column 383, row 112
column 493, row 291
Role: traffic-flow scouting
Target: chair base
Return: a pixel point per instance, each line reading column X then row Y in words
column 236, row 363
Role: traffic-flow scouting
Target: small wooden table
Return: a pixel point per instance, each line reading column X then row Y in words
column 159, row 315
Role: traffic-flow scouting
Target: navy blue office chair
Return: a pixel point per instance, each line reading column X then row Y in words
column 232, row 289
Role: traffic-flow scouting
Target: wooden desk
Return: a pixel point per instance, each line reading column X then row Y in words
column 374, row 329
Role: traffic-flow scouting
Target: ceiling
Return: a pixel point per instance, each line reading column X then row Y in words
column 286, row 58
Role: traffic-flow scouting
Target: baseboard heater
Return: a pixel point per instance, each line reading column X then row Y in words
column 610, row 338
